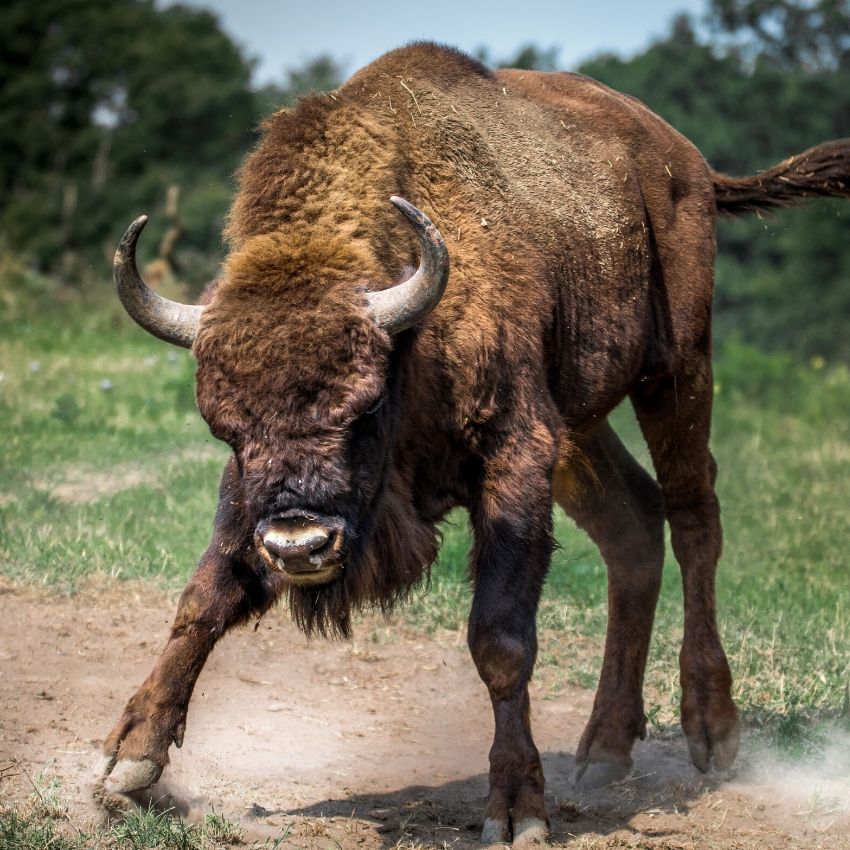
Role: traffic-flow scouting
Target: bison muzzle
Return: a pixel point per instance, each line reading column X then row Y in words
column 306, row 547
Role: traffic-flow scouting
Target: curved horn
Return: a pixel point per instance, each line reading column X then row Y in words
column 403, row 305
column 169, row 320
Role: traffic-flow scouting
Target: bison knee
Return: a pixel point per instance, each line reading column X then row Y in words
column 504, row 661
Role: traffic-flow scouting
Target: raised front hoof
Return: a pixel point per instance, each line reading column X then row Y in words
column 129, row 775
column 121, row 786
column 717, row 747
column 592, row 774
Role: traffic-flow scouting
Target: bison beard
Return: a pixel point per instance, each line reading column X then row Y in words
column 389, row 558
column 581, row 231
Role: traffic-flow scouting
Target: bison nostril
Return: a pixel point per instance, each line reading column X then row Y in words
column 294, row 538
column 302, row 545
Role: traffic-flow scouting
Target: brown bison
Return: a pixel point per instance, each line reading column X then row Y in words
column 363, row 399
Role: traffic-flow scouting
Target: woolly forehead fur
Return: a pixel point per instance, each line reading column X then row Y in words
column 287, row 342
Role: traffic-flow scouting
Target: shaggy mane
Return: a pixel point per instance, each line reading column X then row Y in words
column 398, row 553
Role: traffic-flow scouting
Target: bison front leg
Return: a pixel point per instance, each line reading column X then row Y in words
column 223, row 592
column 512, row 521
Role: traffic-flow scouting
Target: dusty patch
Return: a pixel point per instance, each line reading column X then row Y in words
column 356, row 745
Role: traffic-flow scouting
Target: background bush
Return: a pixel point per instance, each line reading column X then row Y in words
column 105, row 106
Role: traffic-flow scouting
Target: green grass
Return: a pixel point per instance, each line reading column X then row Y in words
column 107, row 469
column 44, row 822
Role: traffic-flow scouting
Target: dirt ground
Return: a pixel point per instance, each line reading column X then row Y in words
column 374, row 744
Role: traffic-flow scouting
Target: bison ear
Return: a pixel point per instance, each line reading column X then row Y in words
column 405, row 304
column 168, row 320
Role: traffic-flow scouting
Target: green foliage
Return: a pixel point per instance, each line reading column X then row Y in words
column 811, row 35
column 21, row 832
column 75, row 382
column 529, row 57
column 782, row 282
column 104, row 105
column 151, row 829
column 818, row 393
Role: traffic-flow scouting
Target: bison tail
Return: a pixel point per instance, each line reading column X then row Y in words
column 821, row 171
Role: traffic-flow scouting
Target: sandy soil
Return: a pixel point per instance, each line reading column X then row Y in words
column 371, row 744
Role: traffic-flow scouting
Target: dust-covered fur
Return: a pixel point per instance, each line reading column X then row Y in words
column 581, row 232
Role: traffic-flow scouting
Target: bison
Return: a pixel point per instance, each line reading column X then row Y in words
column 364, row 394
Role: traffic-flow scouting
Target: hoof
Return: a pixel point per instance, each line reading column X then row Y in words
column 102, row 767
column 530, row 832
column 590, row 775
column 116, row 806
column 721, row 750
column 128, row 776
column 495, row 832
column 700, row 754
column 726, row 750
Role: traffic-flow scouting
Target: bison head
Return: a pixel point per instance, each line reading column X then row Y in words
column 297, row 373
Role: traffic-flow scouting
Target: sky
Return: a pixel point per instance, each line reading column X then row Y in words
column 283, row 33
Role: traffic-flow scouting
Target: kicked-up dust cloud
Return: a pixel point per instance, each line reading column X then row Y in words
column 815, row 784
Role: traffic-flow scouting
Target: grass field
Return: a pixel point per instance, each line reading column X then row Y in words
column 108, row 470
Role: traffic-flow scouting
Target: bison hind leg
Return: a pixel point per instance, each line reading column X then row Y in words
column 609, row 495
column 675, row 414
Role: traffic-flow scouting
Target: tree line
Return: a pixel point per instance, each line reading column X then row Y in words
column 116, row 106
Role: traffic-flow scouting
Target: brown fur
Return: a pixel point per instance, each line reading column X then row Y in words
column 580, row 228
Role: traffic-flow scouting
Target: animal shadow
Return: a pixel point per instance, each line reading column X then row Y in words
column 451, row 814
